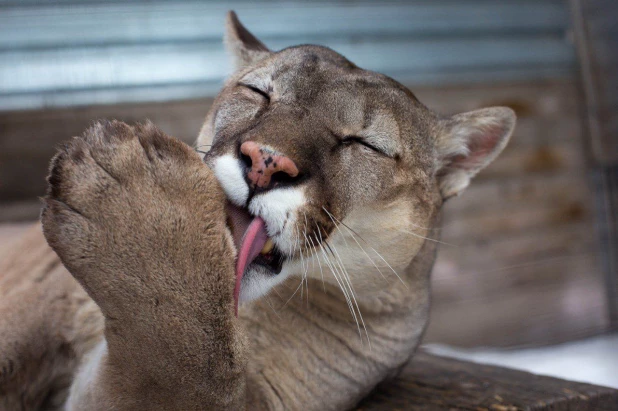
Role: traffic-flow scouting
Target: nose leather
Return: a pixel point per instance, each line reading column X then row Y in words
column 264, row 163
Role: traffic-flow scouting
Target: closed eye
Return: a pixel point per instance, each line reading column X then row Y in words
column 256, row 90
column 349, row 140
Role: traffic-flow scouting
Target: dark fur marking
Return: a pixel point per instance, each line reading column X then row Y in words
column 106, row 171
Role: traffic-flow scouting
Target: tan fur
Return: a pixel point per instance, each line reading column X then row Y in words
column 47, row 324
column 139, row 221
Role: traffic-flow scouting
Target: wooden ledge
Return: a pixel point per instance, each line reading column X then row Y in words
column 430, row 382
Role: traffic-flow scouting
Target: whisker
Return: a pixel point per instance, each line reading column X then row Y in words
column 334, row 271
column 427, row 238
column 302, row 261
column 267, row 299
column 357, row 243
column 352, row 292
column 374, row 250
column 304, row 276
column 292, row 296
column 300, row 249
column 426, row 228
column 277, row 292
column 346, row 276
column 296, row 243
column 318, row 258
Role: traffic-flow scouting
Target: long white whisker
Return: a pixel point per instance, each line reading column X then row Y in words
column 302, row 262
column 425, row 228
column 333, row 270
column 267, row 299
column 427, row 238
column 346, row 277
column 300, row 250
column 332, row 218
column 292, row 296
column 365, row 241
column 277, row 292
column 306, row 268
column 295, row 243
column 317, row 257
column 305, row 275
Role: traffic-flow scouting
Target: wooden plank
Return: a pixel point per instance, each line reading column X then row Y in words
column 539, row 129
column 516, row 247
column 454, row 283
column 549, row 100
column 553, row 189
column 534, row 302
column 545, row 301
column 437, row 383
column 555, row 157
column 19, row 211
column 28, row 139
column 461, row 228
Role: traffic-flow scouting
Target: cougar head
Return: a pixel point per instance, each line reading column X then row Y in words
column 325, row 162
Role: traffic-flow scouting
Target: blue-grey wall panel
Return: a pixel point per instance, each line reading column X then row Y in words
column 89, row 52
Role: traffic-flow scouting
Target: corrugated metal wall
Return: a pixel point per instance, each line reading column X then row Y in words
column 64, row 53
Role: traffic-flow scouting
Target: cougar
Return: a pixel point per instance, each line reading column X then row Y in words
column 282, row 264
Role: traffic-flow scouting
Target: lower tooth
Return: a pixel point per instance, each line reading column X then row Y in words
column 268, row 247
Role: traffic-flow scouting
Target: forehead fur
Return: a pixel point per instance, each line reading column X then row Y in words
column 318, row 77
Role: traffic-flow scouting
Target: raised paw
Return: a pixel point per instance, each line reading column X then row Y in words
column 91, row 171
column 136, row 217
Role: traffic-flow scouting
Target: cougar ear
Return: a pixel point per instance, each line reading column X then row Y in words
column 468, row 142
column 241, row 44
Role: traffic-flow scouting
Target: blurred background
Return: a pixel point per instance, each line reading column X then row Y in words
column 532, row 254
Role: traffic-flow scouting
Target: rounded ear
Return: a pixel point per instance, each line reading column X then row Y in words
column 468, row 142
column 241, row 44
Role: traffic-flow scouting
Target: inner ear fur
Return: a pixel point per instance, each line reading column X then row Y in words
column 468, row 142
column 241, row 44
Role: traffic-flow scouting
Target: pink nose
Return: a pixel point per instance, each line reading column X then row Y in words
column 265, row 163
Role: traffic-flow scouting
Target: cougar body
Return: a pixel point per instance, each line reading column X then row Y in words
column 343, row 169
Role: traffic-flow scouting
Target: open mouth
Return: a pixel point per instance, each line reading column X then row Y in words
column 253, row 245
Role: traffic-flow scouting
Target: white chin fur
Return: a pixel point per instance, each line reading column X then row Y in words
column 258, row 281
column 229, row 173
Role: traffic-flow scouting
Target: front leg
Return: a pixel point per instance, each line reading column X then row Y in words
column 139, row 221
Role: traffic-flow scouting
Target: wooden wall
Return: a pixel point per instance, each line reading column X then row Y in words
column 524, row 264
column 522, row 267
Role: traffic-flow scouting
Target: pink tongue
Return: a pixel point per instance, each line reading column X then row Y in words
column 252, row 243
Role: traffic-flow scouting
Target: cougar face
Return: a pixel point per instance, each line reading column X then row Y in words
column 333, row 171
